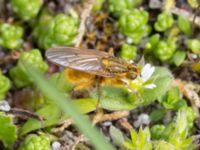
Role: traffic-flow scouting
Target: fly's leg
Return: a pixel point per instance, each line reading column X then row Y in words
column 99, row 110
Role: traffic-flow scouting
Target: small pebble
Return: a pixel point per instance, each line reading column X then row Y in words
column 4, row 106
column 143, row 119
column 56, row 145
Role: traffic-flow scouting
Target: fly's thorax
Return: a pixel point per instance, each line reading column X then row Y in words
column 114, row 65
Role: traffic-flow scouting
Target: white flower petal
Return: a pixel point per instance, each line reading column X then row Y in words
column 150, row 86
column 147, row 72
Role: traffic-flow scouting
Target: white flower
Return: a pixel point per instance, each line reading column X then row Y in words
column 147, row 72
column 142, row 80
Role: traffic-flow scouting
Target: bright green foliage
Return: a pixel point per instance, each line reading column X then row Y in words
column 8, row 132
column 53, row 115
column 140, row 140
column 157, row 131
column 118, row 7
column 163, row 145
column 128, row 52
column 19, row 74
column 177, row 132
column 184, row 25
column 11, row 36
column 179, row 57
column 164, row 50
column 133, row 24
column 58, row 31
column 36, row 142
column 152, row 43
column 194, row 45
column 5, row 85
column 164, row 21
column 173, row 99
column 26, row 9
column 98, row 5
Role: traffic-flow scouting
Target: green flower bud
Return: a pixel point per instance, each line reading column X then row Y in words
column 26, row 9
column 18, row 73
column 128, row 52
column 152, row 43
column 157, row 131
column 36, row 142
column 118, row 7
column 61, row 30
column 11, row 36
column 98, row 5
column 194, row 45
column 5, row 85
column 133, row 24
column 164, row 21
column 165, row 50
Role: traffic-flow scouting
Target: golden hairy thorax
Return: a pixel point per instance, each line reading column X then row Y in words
column 114, row 65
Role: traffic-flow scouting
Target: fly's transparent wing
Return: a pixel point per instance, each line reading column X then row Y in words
column 79, row 59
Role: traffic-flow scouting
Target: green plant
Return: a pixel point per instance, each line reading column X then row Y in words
column 133, row 24
column 36, row 142
column 8, row 132
column 164, row 21
column 184, row 25
column 194, row 45
column 5, row 85
column 118, row 7
column 60, row 30
column 173, row 99
column 128, row 52
column 19, row 74
column 11, row 36
column 140, row 140
column 26, row 9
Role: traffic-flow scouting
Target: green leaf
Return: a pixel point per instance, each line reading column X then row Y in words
column 179, row 57
column 53, row 115
column 163, row 79
column 8, row 132
column 157, row 114
column 184, row 25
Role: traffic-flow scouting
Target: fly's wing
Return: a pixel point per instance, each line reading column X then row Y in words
column 79, row 59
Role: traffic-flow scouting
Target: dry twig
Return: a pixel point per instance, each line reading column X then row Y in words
column 85, row 13
column 189, row 93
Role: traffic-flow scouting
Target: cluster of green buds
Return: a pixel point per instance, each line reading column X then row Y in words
column 11, row 36
column 98, row 5
column 164, row 21
column 18, row 73
column 133, row 24
column 58, row 31
column 5, row 85
column 26, row 9
column 36, row 142
column 194, row 45
column 162, row 49
column 118, row 7
column 128, row 52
